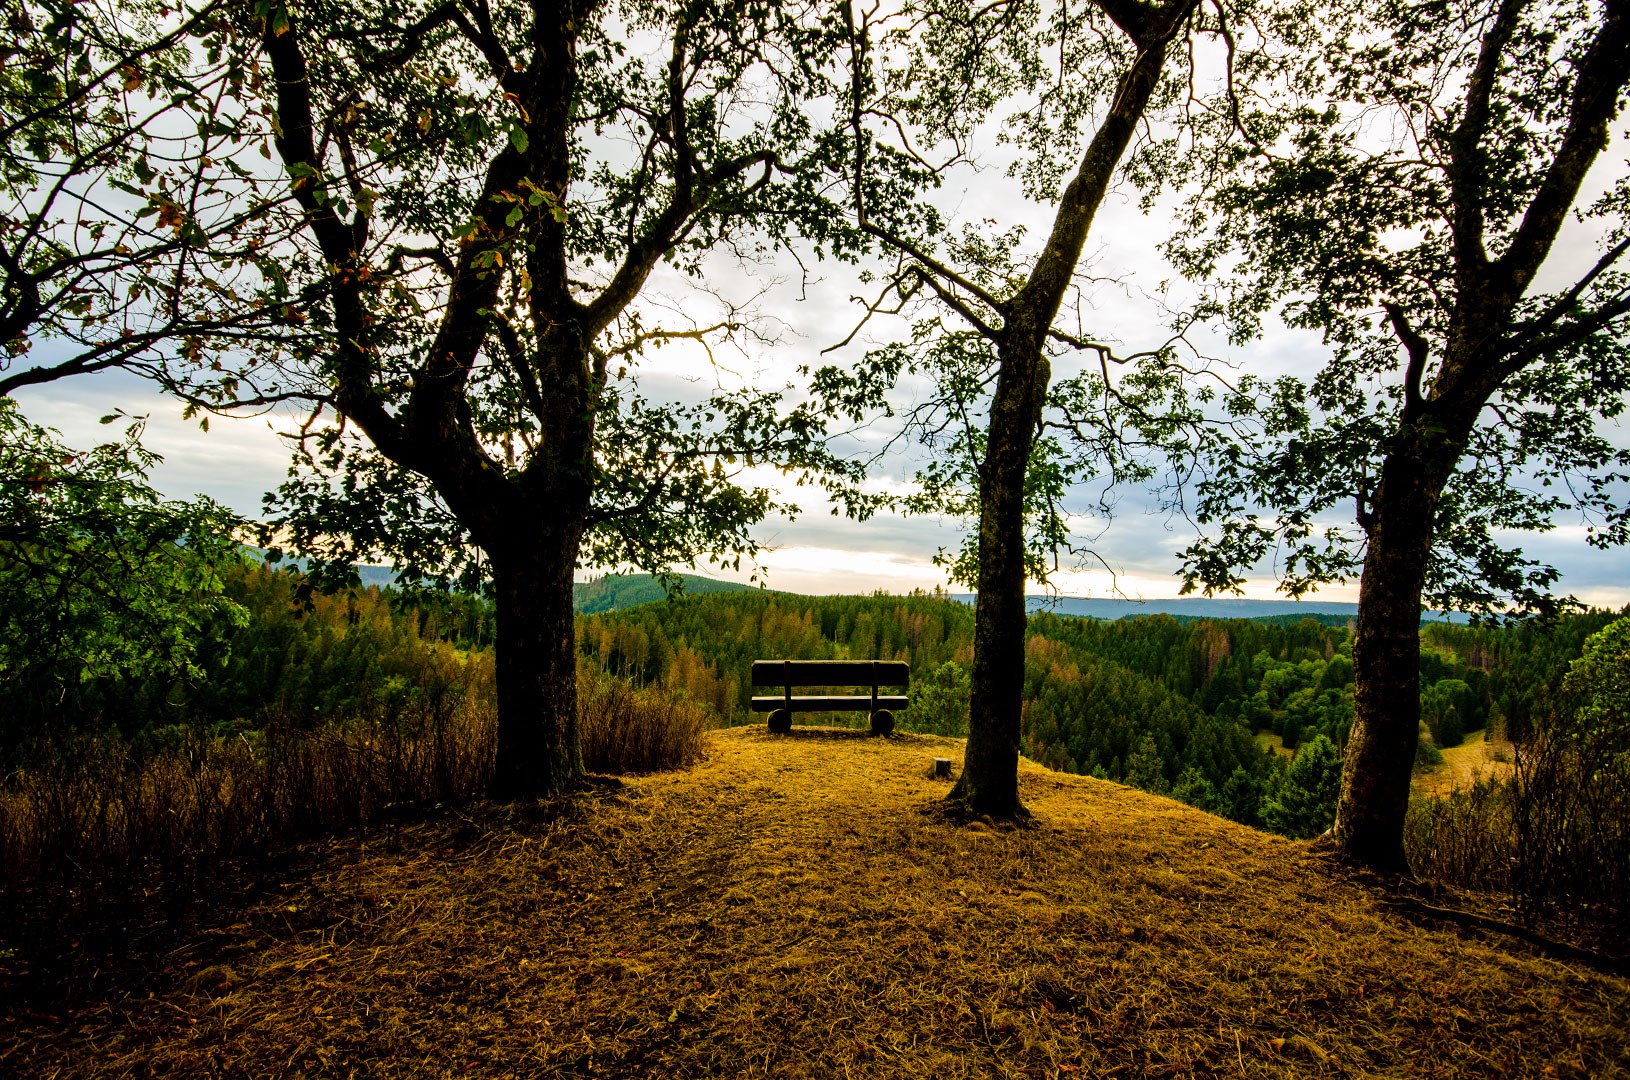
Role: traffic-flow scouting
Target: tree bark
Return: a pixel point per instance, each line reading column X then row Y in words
column 1402, row 525
column 1386, row 671
column 1436, row 424
column 538, row 750
column 989, row 783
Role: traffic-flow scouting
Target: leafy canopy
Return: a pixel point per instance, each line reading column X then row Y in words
column 505, row 213
column 1348, row 191
column 100, row 577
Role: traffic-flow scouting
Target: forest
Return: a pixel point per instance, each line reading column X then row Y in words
column 1171, row 706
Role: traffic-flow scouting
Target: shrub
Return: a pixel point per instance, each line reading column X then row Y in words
column 105, row 826
column 1571, row 796
column 624, row 730
column 1466, row 838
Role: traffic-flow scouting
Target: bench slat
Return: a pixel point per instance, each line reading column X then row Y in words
column 845, row 703
column 831, row 672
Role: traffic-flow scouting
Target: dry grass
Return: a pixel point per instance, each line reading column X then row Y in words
column 799, row 907
column 1464, row 765
column 100, row 836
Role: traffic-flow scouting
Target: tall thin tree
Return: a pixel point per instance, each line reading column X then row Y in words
column 959, row 64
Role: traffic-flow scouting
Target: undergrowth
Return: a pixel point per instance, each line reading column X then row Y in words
column 99, row 827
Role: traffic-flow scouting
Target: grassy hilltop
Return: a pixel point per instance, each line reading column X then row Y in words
column 798, row 907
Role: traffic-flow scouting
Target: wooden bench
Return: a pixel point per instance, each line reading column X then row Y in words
column 870, row 673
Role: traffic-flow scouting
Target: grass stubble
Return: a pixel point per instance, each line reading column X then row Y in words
column 800, row 907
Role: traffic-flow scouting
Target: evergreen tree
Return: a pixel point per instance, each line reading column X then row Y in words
column 1305, row 803
column 1193, row 788
column 1241, row 798
column 939, row 703
column 1145, row 768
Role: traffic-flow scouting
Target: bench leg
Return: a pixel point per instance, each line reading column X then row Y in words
column 780, row 722
column 882, row 722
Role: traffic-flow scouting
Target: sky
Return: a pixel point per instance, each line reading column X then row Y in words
column 239, row 459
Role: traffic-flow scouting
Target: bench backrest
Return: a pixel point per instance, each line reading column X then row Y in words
column 831, row 673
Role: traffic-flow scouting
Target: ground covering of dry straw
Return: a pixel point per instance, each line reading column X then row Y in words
column 798, row 906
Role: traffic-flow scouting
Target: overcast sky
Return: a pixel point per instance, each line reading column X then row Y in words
column 237, row 460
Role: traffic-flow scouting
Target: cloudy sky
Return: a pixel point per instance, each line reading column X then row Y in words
column 237, row 460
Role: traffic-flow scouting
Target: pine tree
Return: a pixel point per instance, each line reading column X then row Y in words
column 1305, row 804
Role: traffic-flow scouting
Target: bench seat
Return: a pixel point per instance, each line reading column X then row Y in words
column 849, row 703
column 824, row 674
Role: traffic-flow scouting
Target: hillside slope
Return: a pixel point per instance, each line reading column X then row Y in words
column 614, row 592
column 799, row 906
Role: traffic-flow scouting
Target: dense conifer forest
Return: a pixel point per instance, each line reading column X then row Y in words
column 1175, row 706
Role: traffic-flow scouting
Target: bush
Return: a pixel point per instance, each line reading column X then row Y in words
column 1571, row 796
column 105, row 827
column 1427, row 756
column 1466, row 838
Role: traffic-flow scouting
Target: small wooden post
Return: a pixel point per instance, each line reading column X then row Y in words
column 786, row 677
column 942, row 768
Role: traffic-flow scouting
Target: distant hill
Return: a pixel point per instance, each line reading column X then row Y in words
column 1187, row 607
column 617, row 591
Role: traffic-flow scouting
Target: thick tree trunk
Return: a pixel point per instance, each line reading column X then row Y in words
column 1380, row 755
column 989, row 783
column 538, row 752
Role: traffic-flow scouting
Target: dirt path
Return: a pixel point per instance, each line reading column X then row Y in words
column 799, row 907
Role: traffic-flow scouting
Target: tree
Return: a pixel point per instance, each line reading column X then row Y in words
column 100, row 577
column 1304, row 802
column 1598, row 685
column 484, row 192
column 1397, row 187
column 1241, row 798
column 1571, row 794
column 1145, row 768
column 133, row 231
column 996, row 459
column 939, row 701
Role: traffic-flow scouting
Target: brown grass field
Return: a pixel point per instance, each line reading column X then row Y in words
column 800, row 907
column 1467, row 763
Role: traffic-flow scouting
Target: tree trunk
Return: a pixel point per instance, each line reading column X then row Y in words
column 538, row 751
column 989, row 783
column 1380, row 755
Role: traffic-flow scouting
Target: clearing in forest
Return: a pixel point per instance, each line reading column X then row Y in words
column 1464, row 765
column 799, row 906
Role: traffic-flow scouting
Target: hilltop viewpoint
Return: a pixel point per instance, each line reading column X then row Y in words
column 801, row 906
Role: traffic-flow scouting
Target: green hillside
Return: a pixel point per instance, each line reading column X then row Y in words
column 614, row 592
